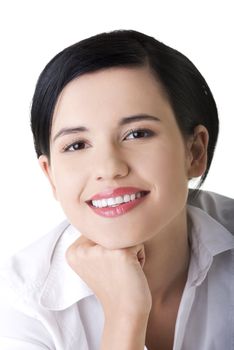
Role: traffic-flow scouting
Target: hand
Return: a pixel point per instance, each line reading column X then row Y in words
column 115, row 276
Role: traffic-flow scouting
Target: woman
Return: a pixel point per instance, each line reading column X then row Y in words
column 121, row 123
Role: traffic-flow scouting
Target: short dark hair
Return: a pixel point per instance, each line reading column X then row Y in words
column 187, row 91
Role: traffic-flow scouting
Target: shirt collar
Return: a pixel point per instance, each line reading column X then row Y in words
column 208, row 238
column 63, row 287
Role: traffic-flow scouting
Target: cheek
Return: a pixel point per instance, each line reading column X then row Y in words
column 166, row 164
column 168, row 176
column 69, row 182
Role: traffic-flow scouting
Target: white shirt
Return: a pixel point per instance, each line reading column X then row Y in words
column 44, row 304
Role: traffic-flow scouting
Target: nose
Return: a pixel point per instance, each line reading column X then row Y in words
column 110, row 164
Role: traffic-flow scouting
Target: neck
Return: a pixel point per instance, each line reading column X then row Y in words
column 167, row 259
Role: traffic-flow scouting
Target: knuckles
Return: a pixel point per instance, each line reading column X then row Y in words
column 84, row 250
column 80, row 250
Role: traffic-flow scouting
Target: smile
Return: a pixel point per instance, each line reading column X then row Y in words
column 112, row 202
column 116, row 206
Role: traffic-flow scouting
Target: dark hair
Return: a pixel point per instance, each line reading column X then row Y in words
column 187, row 90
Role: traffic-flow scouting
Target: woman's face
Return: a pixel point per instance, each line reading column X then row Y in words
column 93, row 150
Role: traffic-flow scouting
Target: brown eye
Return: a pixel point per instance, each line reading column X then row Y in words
column 76, row 146
column 140, row 133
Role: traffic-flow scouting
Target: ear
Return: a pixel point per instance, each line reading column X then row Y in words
column 46, row 168
column 197, row 152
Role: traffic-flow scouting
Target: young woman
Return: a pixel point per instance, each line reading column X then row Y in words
column 121, row 123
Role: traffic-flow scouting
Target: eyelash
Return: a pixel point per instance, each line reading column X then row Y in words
column 132, row 131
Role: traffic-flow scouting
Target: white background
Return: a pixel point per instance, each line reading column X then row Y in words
column 32, row 32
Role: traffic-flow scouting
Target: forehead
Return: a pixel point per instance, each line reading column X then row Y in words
column 109, row 94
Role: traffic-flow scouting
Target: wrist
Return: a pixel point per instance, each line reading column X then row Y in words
column 124, row 332
column 130, row 318
column 128, row 311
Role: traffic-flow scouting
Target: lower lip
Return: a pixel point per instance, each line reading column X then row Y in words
column 111, row 212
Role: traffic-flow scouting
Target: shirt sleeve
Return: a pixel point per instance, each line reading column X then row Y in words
column 20, row 329
column 10, row 344
column 22, row 332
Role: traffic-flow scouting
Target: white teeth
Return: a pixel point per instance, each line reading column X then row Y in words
column 119, row 200
column 111, row 201
column 102, row 203
column 126, row 198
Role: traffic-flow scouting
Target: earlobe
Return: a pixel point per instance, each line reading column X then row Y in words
column 198, row 152
column 46, row 168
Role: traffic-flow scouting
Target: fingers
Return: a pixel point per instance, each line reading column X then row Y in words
column 83, row 243
column 141, row 256
column 73, row 251
column 139, row 252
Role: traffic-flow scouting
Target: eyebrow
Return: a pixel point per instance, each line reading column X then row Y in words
column 123, row 121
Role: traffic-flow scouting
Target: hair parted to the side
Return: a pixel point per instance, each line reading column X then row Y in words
column 188, row 93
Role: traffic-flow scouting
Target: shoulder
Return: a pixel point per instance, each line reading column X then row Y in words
column 34, row 286
column 219, row 207
column 211, row 265
column 27, row 269
column 210, row 241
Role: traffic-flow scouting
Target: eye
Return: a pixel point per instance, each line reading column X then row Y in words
column 75, row 146
column 140, row 133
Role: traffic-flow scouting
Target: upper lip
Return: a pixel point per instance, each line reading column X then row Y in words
column 115, row 192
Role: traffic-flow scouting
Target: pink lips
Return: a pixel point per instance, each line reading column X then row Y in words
column 110, row 212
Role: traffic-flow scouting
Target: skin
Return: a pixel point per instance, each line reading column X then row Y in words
column 145, row 252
